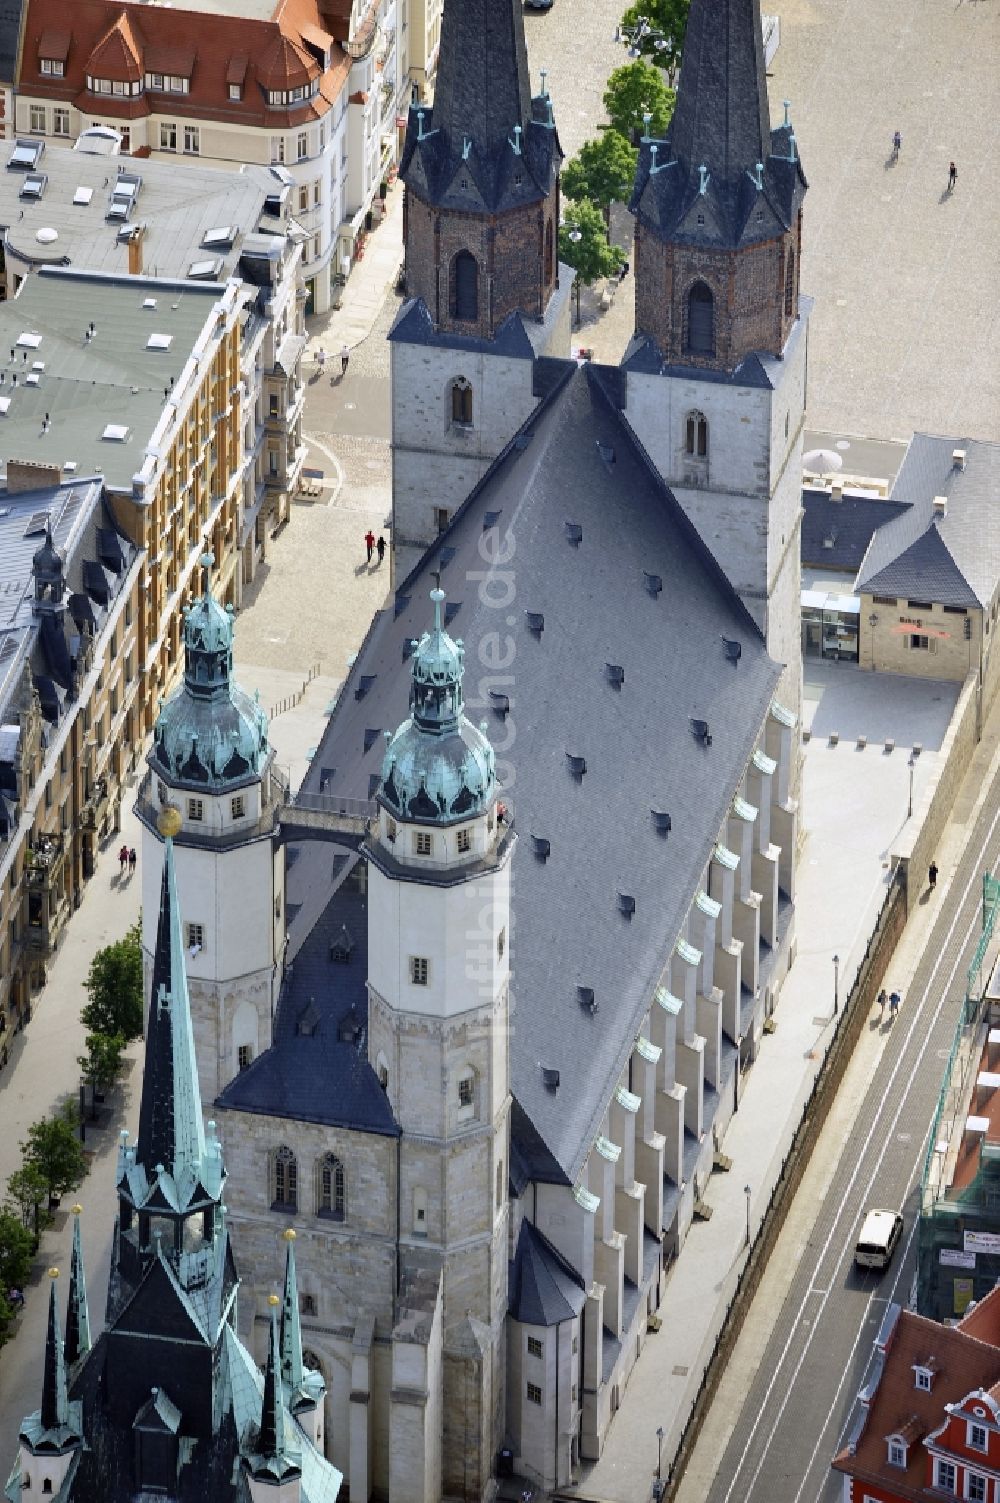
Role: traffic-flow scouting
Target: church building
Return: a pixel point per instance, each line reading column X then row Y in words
column 500, row 964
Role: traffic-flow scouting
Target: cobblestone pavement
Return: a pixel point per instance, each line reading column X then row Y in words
column 574, row 42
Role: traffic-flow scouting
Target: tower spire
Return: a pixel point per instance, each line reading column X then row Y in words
column 77, row 1340
column 291, row 1326
column 482, row 88
column 55, row 1403
column 171, row 1130
column 721, row 117
column 273, row 1461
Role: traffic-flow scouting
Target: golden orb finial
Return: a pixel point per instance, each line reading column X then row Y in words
column 169, row 821
column 77, row 1209
column 289, row 1234
column 273, row 1300
column 53, row 1273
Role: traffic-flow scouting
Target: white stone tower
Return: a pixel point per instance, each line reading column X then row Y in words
column 211, row 757
column 716, row 374
column 439, row 971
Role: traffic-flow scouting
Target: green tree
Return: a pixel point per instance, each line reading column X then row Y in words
column 669, row 19
column 634, row 91
column 17, row 1248
column 102, row 1063
column 114, row 986
column 26, row 1193
column 53, row 1148
column 584, row 245
column 603, row 172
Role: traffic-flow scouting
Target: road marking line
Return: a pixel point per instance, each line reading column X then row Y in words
column 975, row 878
column 338, row 480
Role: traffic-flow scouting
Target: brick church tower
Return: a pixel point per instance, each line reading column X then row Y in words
column 717, row 369
column 487, row 296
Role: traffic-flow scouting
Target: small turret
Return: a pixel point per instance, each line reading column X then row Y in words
column 77, row 1343
column 51, row 1436
column 275, row 1473
column 304, row 1387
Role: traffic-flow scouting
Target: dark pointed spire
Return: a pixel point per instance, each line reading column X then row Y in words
column 171, row 1131
column 291, row 1327
column 77, row 1312
column 55, row 1404
column 721, row 118
column 273, row 1461
column 482, row 90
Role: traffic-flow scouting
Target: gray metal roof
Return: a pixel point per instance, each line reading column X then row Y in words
column 952, row 559
column 598, row 608
column 836, row 534
column 178, row 204
column 10, row 30
column 544, row 1289
column 86, row 386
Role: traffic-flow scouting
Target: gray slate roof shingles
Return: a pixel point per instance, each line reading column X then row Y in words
column 950, row 560
column 567, row 928
column 544, row 1289
column 836, row 534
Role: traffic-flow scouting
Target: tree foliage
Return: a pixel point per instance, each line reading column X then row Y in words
column 102, row 1063
column 53, row 1149
column 17, row 1248
column 634, row 91
column 669, row 18
column 603, row 171
column 591, row 255
column 114, row 987
column 26, row 1194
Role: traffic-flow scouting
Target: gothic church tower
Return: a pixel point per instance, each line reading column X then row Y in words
column 716, row 373
column 487, row 294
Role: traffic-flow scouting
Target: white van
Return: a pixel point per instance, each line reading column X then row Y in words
column 879, row 1235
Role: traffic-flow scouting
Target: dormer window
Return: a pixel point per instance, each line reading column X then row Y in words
column 897, row 1453
column 978, row 1437
column 52, row 67
column 923, row 1379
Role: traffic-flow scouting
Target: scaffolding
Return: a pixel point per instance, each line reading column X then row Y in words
column 958, row 1244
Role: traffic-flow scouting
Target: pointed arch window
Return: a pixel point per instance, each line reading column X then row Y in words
column 696, row 435
column 331, row 1188
column 465, row 287
column 548, row 251
column 701, row 320
column 790, row 284
column 461, row 402
column 284, row 1180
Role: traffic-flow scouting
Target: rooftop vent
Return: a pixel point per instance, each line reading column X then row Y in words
column 34, row 185
column 536, row 622
column 36, row 524
column 451, row 610
column 399, row 606
column 500, row 703
column 364, row 684
column 940, row 506
column 27, row 341
column 550, row 1078
column 307, row 1021
column 732, row 649
column 586, row 998
column 220, row 237
column 958, row 457
column 574, row 533
column 577, row 766
column 606, row 451
column 409, row 648
column 700, row 731
column 159, row 341
column 541, row 847
column 115, row 433
column 653, row 582
column 350, row 1028
column 522, row 441
column 25, row 154
column 661, row 821
column 490, row 519
column 374, row 783
column 371, row 736
column 446, row 555
column 149, row 302
column 82, row 197
column 616, row 674
column 205, row 271
column 626, row 904
column 340, row 949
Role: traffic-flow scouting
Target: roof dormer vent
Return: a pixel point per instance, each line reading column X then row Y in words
column 574, row 533
column 541, row 847
column 958, row 457
column 616, row 674
column 661, row 821
column 653, row 582
column 536, row 622
column 577, row 765
column 940, row 506
column 586, row 998
column 550, row 1078
column 500, row 703
column 626, row 904
column 700, row 731
column 732, row 649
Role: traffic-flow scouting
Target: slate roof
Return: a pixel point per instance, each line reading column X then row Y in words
column 637, row 740
column 543, row 1288
column 965, row 1357
column 949, row 560
column 319, row 1076
column 836, row 534
column 485, row 144
column 10, row 30
column 721, row 124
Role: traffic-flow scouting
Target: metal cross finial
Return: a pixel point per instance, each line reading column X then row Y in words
column 466, row 147
column 647, row 117
column 703, row 178
column 516, row 142
column 420, row 125
column 545, row 76
column 787, row 105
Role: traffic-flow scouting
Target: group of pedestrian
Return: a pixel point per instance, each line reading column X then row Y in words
column 127, row 861
column 345, row 359
column 375, row 545
column 892, row 1000
column 897, row 144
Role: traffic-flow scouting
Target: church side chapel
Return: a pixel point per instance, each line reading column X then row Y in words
column 471, row 1009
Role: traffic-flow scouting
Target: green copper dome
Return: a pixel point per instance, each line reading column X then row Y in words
column 438, row 767
column 210, row 733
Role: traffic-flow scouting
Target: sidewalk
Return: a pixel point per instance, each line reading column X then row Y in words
column 366, row 287
column 841, row 884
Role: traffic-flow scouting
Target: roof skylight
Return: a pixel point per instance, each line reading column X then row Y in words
column 116, row 433
column 83, row 196
column 159, row 341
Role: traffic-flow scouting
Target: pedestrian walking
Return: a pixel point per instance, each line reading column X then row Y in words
column 345, row 356
column 133, row 862
column 952, row 176
column 893, row 1005
column 883, row 998
column 380, row 546
column 897, row 142
column 623, row 271
column 369, row 543
column 321, row 359
column 932, row 875
column 122, row 860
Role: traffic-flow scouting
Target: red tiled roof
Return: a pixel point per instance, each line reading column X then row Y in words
column 215, row 45
column 55, row 45
column 118, row 54
column 964, row 1362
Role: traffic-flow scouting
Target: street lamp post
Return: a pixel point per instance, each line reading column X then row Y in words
column 911, row 764
column 836, row 985
column 747, row 1191
column 659, row 1453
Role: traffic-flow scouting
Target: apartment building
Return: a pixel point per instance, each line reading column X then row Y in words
column 311, row 87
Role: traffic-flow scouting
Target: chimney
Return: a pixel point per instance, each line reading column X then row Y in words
column 940, row 506
column 958, row 458
column 836, row 490
column 26, row 475
column 135, row 252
